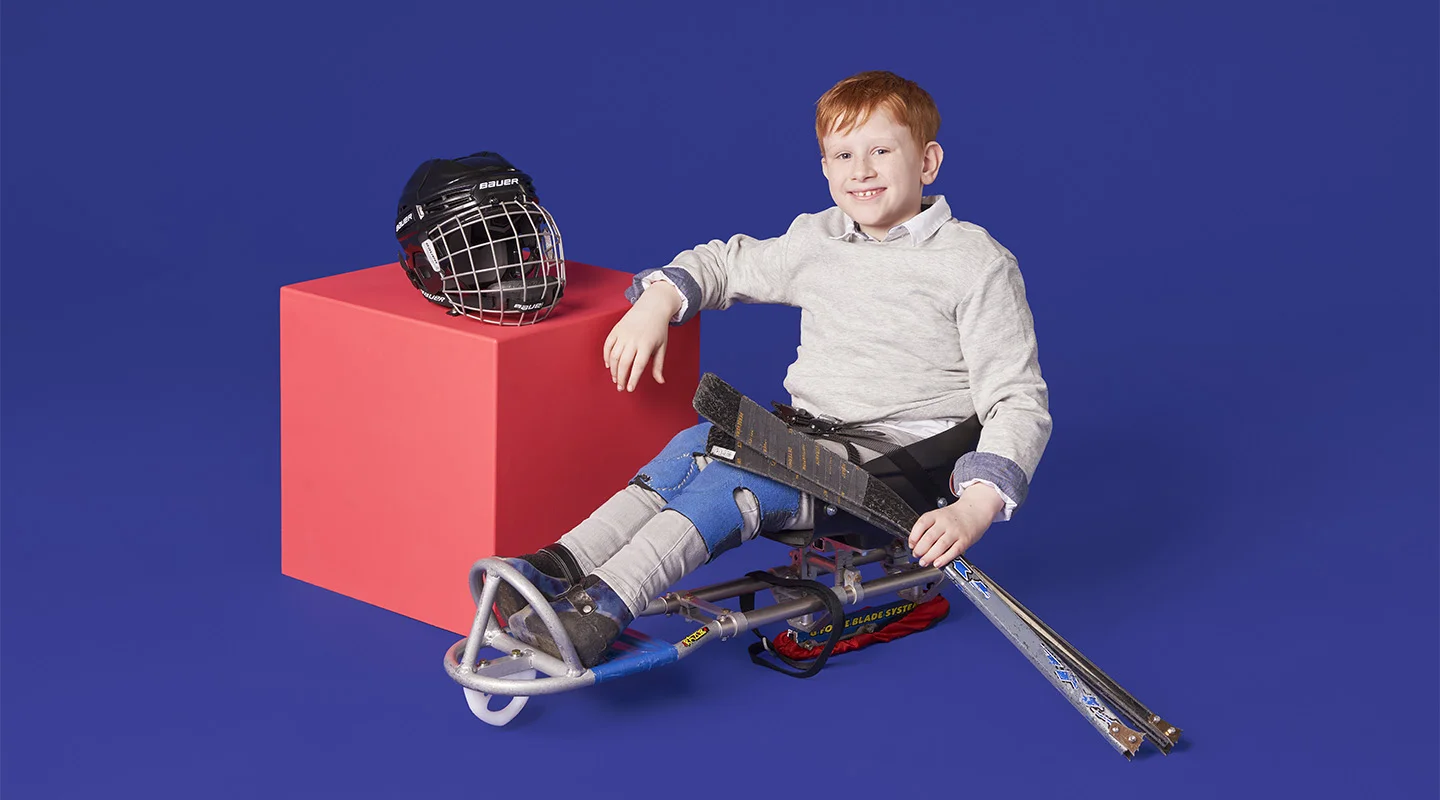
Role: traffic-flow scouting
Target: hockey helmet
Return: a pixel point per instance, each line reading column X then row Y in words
column 475, row 239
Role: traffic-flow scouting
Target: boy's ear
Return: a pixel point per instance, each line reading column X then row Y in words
column 825, row 168
column 930, row 162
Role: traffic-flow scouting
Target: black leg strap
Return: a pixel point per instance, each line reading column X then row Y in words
column 564, row 561
column 832, row 605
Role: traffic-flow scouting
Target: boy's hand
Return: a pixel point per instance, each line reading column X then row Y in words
column 640, row 335
column 943, row 535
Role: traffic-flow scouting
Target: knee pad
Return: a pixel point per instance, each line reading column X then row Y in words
column 670, row 472
column 709, row 503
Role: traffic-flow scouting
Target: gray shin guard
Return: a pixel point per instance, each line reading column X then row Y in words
column 667, row 549
column 611, row 526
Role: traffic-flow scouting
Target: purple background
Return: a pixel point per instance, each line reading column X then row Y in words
column 1227, row 218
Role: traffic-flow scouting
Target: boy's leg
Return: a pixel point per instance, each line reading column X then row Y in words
column 721, row 507
column 556, row 568
column 616, row 522
column 719, row 511
column 712, row 512
column 665, row 550
column 671, row 546
column 611, row 526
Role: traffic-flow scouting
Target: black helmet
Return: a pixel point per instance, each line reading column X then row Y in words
column 474, row 238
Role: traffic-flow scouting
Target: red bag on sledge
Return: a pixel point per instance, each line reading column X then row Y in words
column 923, row 616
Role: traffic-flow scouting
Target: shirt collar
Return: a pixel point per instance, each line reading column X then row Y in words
column 934, row 213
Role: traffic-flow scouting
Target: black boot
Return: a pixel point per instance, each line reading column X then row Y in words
column 592, row 614
column 552, row 570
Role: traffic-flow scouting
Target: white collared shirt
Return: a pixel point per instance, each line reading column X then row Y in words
column 934, row 212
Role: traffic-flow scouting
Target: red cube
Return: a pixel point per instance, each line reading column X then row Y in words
column 413, row 442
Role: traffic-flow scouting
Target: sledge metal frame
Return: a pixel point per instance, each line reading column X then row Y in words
column 515, row 672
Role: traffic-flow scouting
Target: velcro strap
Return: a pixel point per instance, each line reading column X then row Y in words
column 832, row 605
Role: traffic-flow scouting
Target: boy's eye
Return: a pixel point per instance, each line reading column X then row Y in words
column 880, row 151
column 842, row 155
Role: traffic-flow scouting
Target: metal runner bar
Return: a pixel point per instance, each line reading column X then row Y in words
column 1162, row 733
column 1051, row 665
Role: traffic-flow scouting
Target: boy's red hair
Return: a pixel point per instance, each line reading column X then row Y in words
column 850, row 103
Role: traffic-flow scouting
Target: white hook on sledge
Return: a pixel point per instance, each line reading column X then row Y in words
column 479, row 702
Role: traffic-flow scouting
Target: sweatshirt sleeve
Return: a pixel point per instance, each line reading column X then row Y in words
column 997, row 337
column 718, row 274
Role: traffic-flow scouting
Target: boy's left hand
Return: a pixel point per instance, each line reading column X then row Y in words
column 942, row 535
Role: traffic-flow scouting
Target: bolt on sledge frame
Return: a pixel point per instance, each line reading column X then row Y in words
column 781, row 447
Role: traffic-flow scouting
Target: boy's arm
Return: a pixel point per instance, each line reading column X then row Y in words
column 712, row 275
column 718, row 274
column 639, row 336
column 997, row 336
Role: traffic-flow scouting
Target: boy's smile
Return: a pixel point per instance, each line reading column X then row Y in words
column 876, row 172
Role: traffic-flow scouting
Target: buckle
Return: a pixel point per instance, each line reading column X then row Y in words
column 800, row 418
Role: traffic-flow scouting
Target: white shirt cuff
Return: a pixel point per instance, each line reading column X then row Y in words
column 1003, row 515
column 659, row 277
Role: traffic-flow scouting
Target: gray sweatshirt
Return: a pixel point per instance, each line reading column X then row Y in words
column 930, row 324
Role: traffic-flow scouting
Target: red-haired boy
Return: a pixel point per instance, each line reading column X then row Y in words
column 911, row 322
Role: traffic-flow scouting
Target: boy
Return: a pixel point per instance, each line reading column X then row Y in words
column 911, row 322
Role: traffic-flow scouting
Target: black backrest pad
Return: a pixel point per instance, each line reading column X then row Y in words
column 935, row 459
column 919, row 473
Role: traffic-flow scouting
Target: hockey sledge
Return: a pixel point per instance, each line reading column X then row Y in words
column 864, row 513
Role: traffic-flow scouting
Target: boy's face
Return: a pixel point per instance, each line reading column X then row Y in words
column 877, row 172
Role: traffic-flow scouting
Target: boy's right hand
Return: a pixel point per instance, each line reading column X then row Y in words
column 641, row 335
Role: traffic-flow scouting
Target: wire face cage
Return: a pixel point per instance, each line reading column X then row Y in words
column 501, row 263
